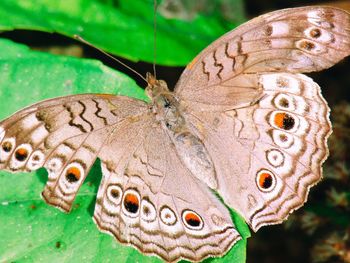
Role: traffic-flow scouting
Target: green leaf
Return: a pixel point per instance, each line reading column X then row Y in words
column 41, row 75
column 125, row 27
column 32, row 231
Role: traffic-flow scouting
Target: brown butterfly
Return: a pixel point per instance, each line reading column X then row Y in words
column 242, row 121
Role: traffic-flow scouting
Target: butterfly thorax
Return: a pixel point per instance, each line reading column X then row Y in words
column 165, row 105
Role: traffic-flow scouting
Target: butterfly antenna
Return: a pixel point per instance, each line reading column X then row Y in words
column 77, row 37
column 155, row 38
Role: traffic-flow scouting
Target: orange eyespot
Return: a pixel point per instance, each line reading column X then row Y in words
column 131, row 203
column 279, row 117
column 284, row 121
column 21, row 154
column 265, row 180
column 192, row 220
column 73, row 174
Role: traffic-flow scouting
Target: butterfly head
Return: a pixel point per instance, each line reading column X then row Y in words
column 155, row 87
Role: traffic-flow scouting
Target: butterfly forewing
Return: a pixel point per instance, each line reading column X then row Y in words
column 293, row 40
column 64, row 135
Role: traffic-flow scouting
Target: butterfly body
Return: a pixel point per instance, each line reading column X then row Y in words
column 242, row 121
column 189, row 147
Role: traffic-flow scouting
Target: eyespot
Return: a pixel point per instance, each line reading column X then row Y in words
column 315, row 33
column 192, row 220
column 36, row 160
column 282, row 139
column 265, row 180
column 114, row 194
column 275, row 157
column 19, row 156
column 22, row 152
column 74, row 172
column 6, row 149
column 54, row 164
column 283, row 120
column 148, row 211
column 131, row 203
column 284, row 102
column 306, row 45
column 8, row 145
column 168, row 216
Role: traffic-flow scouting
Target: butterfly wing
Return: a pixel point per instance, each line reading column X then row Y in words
column 64, row 135
column 267, row 152
column 267, row 156
column 141, row 200
column 291, row 40
column 150, row 200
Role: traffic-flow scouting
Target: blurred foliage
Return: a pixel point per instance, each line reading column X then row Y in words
column 125, row 28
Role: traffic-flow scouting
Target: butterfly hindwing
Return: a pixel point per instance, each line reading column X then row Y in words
column 152, row 201
column 270, row 154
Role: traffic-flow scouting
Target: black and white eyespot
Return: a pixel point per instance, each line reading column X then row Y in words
column 148, row 211
column 311, row 47
column 167, row 216
column 114, row 194
column 192, row 220
column 275, row 157
column 284, row 102
column 131, row 203
column 36, row 160
column 319, row 34
column 7, row 147
column 54, row 165
column 282, row 139
column 112, row 200
column 265, row 180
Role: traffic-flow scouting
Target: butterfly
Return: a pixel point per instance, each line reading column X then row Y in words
column 242, row 121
